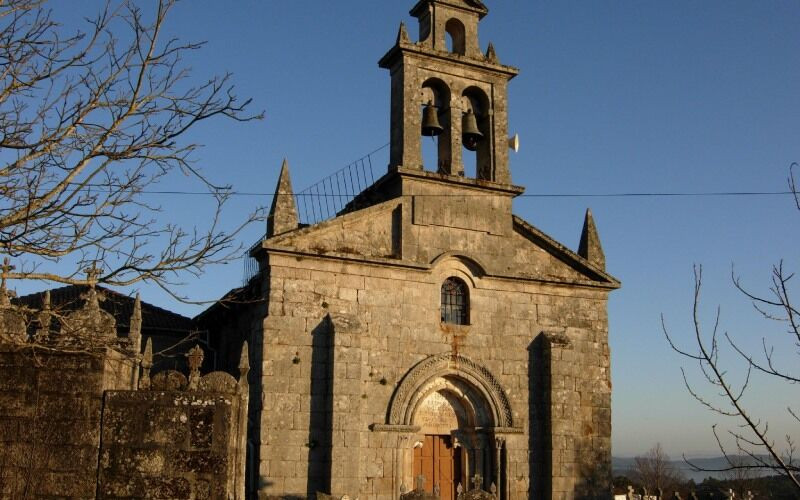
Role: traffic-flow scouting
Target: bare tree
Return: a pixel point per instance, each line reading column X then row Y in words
column 89, row 121
column 654, row 470
column 750, row 436
column 740, row 475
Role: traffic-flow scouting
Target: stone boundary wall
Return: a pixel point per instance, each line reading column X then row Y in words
column 81, row 424
column 172, row 444
column 51, row 406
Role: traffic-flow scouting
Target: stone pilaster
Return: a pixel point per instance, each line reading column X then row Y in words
column 346, row 399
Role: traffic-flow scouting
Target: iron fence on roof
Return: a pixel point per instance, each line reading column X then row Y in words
column 325, row 199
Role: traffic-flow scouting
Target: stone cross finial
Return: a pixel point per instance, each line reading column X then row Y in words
column 6, row 268
column 420, row 482
column 195, row 358
column 477, row 482
column 44, row 317
column 147, row 364
column 92, row 298
column 92, row 274
column 12, row 323
column 4, row 294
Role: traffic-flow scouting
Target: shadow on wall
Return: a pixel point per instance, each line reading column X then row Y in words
column 320, row 428
column 320, row 424
column 538, row 402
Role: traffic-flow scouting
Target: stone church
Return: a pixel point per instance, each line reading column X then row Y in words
column 426, row 338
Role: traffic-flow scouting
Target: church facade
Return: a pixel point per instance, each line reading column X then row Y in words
column 426, row 337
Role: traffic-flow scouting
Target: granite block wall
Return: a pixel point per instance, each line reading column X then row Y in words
column 340, row 337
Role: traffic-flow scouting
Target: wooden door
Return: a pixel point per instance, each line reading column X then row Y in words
column 440, row 463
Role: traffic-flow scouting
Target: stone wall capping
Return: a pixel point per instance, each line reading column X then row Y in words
column 468, row 182
column 482, row 65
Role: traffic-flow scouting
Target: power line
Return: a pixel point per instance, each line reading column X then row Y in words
column 702, row 194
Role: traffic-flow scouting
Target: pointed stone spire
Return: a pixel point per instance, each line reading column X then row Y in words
column 147, row 364
column 244, row 367
column 402, row 34
column 491, row 55
column 283, row 213
column 135, row 329
column 590, row 248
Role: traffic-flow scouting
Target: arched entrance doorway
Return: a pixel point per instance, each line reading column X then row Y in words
column 443, row 417
column 455, row 409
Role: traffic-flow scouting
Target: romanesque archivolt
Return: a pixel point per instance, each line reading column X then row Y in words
column 449, row 365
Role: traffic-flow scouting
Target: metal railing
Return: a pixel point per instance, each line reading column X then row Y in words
column 325, row 199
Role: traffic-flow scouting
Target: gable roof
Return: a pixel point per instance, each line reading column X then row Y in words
column 154, row 319
column 563, row 253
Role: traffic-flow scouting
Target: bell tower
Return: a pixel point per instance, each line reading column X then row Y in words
column 445, row 86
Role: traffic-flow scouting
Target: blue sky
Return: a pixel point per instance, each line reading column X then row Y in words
column 613, row 97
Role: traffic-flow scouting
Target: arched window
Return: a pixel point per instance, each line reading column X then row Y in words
column 455, row 302
column 456, row 37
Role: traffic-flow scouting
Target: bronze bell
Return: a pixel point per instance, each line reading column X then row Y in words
column 430, row 121
column 470, row 133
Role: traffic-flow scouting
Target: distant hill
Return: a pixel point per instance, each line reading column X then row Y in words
column 621, row 465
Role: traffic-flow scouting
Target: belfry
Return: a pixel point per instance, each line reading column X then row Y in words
column 456, row 82
column 425, row 340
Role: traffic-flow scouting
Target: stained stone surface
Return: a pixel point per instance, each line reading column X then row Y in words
column 171, row 444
